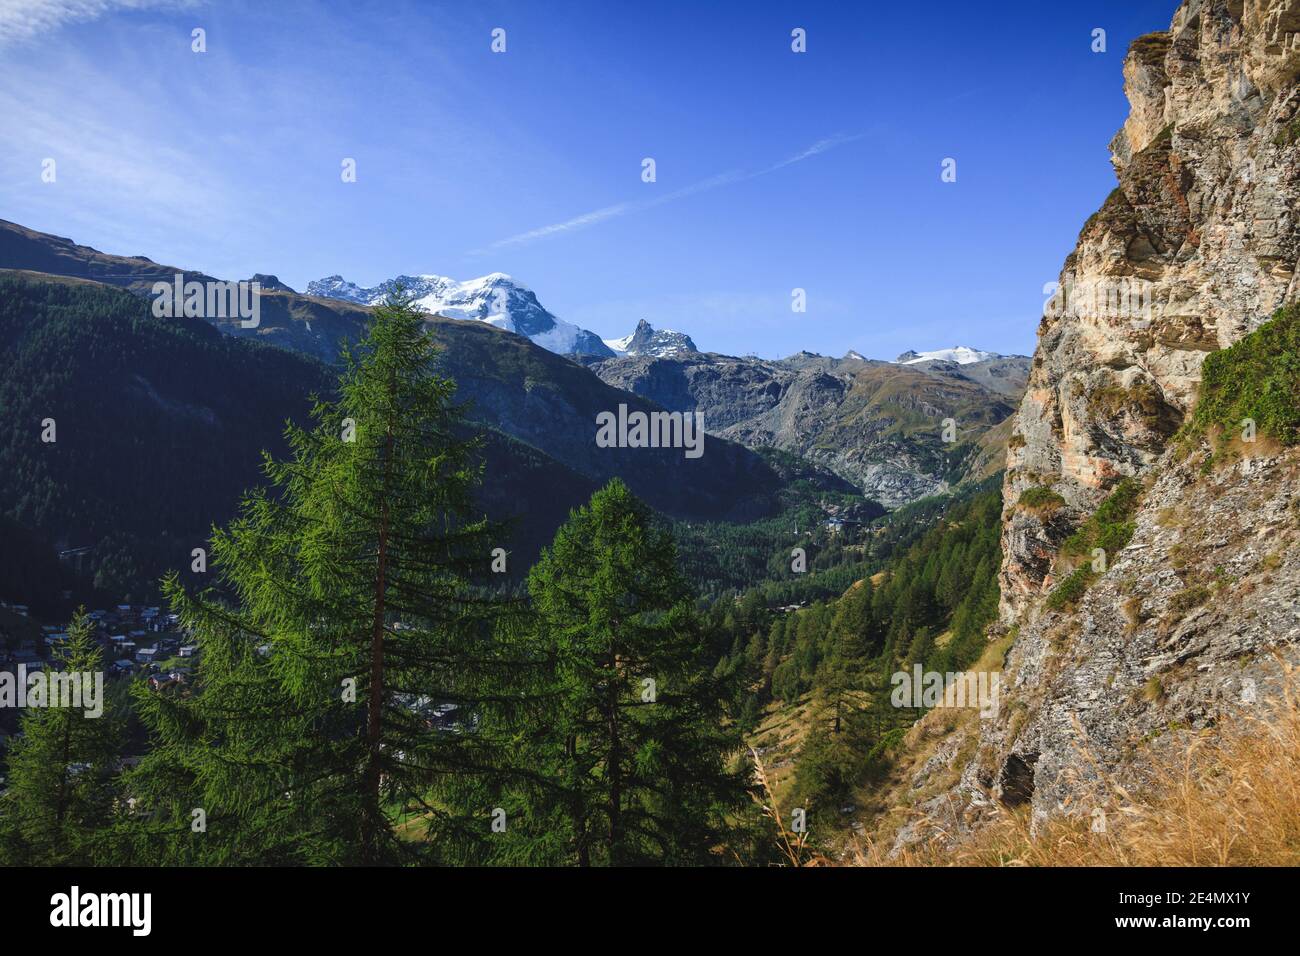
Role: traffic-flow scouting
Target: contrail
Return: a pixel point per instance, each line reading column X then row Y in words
column 621, row 209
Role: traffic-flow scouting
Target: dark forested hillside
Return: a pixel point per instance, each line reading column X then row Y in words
column 157, row 425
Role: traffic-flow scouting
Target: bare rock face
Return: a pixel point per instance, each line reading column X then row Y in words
column 1195, row 248
column 1197, row 619
column 876, row 424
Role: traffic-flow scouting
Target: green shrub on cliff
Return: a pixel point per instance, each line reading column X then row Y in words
column 1040, row 499
column 1111, row 525
column 1258, row 378
column 1068, row 593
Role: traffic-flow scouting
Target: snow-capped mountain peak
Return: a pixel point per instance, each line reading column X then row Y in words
column 960, row 354
column 495, row 298
column 647, row 340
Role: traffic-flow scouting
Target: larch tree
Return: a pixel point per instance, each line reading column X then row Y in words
column 350, row 648
column 60, row 799
column 643, row 761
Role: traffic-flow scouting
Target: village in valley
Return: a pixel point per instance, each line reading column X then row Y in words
column 137, row 641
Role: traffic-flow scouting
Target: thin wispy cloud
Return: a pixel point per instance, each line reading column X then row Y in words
column 621, row 209
column 26, row 19
column 816, row 149
column 117, row 184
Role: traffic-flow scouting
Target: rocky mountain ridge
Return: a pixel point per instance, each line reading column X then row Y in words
column 645, row 339
column 879, row 425
column 533, row 396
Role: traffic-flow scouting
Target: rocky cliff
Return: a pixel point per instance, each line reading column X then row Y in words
column 1194, row 248
column 1179, row 601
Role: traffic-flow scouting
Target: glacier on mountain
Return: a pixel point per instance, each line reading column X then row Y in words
column 495, row 298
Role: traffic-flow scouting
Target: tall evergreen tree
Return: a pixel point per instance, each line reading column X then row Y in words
column 637, row 742
column 60, row 798
column 839, row 674
column 343, row 676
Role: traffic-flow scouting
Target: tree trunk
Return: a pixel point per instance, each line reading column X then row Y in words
column 615, row 767
column 61, row 803
column 375, row 703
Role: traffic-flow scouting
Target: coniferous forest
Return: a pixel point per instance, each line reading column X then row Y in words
column 369, row 690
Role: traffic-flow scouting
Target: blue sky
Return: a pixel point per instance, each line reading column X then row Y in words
column 775, row 170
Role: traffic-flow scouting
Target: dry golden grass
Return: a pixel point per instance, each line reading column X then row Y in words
column 793, row 846
column 1227, row 799
column 779, row 736
column 1234, row 449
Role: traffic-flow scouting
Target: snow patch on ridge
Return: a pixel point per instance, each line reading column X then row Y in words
column 961, row 354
